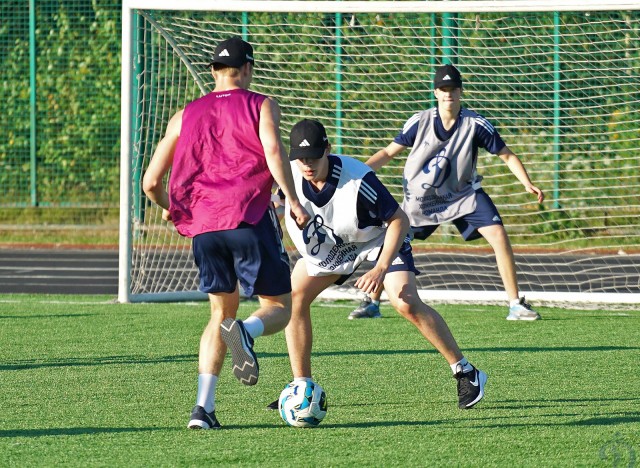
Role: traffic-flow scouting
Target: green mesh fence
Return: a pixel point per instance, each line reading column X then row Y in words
column 61, row 136
column 60, row 145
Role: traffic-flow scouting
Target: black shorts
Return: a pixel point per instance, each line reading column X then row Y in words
column 485, row 214
column 252, row 255
column 403, row 262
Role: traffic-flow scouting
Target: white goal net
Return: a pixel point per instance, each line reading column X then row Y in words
column 558, row 79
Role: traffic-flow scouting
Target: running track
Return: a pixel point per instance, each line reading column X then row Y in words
column 64, row 271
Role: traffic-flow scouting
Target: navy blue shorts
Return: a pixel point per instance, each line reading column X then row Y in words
column 403, row 262
column 486, row 214
column 252, row 255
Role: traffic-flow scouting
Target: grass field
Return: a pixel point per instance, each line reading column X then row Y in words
column 85, row 382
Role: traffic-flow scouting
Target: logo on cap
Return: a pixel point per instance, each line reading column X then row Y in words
column 308, row 139
column 233, row 52
column 446, row 77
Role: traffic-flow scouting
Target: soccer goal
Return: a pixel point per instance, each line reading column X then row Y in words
column 559, row 79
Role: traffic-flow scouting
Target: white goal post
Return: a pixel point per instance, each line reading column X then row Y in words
column 559, row 79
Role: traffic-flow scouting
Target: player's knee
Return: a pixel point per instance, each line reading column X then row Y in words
column 300, row 300
column 496, row 235
column 407, row 309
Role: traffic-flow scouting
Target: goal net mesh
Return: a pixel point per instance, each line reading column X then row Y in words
column 562, row 89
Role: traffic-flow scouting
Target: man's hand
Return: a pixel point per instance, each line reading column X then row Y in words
column 300, row 215
column 166, row 215
column 536, row 191
column 372, row 280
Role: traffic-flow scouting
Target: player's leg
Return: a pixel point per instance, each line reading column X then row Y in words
column 299, row 331
column 262, row 268
column 497, row 237
column 485, row 221
column 403, row 295
column 217, row 279
column 240, row 335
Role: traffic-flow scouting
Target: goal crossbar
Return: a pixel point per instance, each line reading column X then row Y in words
column 437, row 6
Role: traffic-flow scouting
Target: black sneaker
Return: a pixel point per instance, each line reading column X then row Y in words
column 200, row 419
column 273, row 405
column 470, row 387
column 240, row 344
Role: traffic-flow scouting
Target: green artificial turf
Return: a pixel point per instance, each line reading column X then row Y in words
column 86, row 382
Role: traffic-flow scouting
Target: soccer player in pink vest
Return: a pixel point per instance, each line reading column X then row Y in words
column 224, row 151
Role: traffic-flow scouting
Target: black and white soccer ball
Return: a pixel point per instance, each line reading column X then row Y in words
column 302, row 404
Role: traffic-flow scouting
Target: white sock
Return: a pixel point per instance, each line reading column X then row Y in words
column 254, row 326
column 514, row 302
column 375, row 303
column 207, row 391
column 466, row 365
column 303, row 379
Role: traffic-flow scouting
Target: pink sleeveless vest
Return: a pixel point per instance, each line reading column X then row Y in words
column 219, row 177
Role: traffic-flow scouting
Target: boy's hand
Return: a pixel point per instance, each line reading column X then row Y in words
column 372, row 280
column 536, row 191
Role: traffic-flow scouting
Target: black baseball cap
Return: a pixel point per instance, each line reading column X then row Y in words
column 447, row 75
column 308, row 139
column 233, row 52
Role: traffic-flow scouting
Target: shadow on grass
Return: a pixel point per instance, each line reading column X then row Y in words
column 354, row 425
column 72, row 431
column 95, row 361
column 110, row 360
column 475, row 423
column 552, row 403
column 48, row 316
column 548, row 421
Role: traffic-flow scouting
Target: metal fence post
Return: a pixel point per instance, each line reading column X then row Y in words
column 556, row 110
column 338, row 59
column 32, row 105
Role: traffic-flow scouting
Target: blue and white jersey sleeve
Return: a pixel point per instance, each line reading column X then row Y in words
column 407, row 136
column 375, row 204
column 486, row 136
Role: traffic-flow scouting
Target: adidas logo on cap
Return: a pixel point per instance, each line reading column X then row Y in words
column 304, row 143
column 224, row 53
column 446, row 77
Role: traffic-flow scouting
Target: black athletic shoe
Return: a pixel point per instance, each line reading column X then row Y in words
column 200, row 419
column 240, row 344
column 273, row 405
column 470, row 387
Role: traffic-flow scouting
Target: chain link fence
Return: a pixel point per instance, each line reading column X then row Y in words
column 60, row 85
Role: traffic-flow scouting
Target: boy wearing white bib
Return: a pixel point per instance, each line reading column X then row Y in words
column 354, row 217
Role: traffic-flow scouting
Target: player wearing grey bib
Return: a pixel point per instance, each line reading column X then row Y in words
column 441, row 183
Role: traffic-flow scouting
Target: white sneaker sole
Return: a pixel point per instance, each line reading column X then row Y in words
column 245, row 365
column 198, row 424
column 525, row 318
